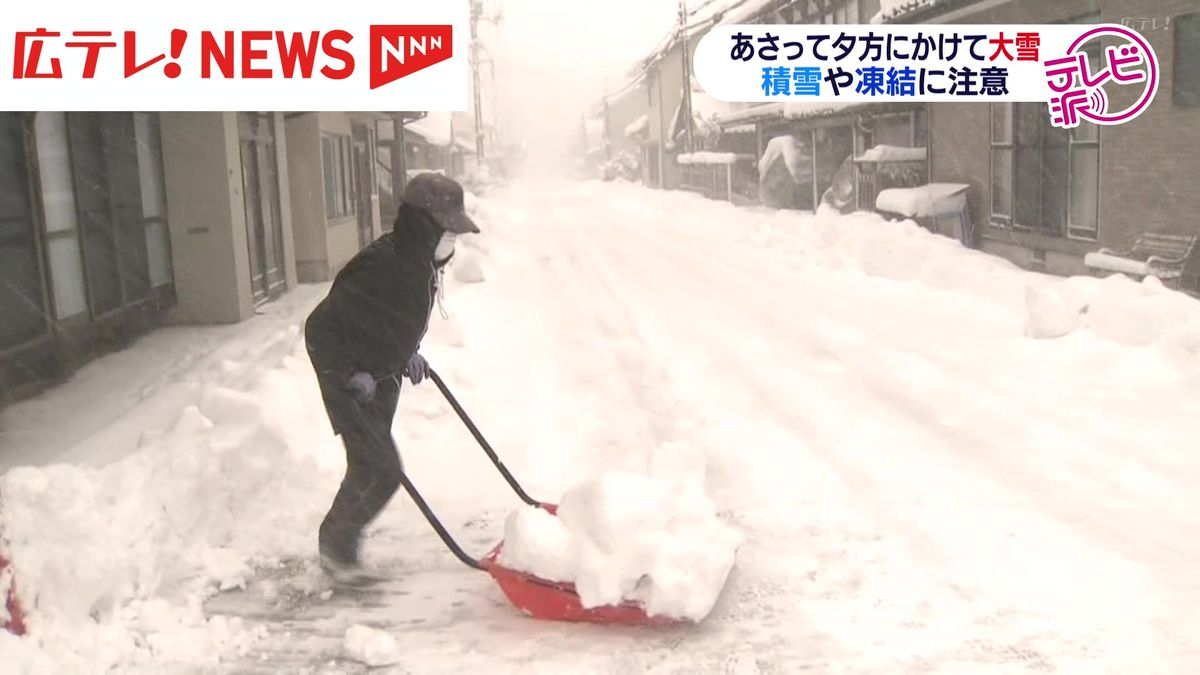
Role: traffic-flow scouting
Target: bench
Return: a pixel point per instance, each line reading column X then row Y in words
column 1166, row 256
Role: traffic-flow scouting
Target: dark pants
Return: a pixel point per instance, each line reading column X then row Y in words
column 373, row 466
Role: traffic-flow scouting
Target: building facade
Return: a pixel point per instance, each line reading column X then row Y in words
column 113, row 223
column 335, row 194
column 1039, row 196
column 1044, row 197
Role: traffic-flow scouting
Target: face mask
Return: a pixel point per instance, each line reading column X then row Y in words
column 445, row 248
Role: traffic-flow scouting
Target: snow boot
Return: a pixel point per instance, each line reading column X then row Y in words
column 347, row 572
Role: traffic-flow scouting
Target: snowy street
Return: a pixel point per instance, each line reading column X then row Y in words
column 924, row 486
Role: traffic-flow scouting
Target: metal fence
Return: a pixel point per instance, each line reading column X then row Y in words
column 737, row 182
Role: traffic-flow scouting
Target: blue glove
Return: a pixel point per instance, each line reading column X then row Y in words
column 417, row 368
column 362, row 387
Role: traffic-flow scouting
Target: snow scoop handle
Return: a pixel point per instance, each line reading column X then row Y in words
column 416, row 495
column 487, row 448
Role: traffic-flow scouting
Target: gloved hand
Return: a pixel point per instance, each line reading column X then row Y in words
column 362, row 387
column 417, row 368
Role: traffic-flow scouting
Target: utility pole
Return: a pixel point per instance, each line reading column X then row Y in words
column 476, row 11
column 605, row 135
column 687, row 79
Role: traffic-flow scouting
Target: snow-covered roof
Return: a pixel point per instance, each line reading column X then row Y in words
column 927, row 200
column 795, row 110
column 638, row 126
column 700, row 20
column 784, row 110
column 891, row 11
column 747, row 10
column 892, row 153
column 434, row 127
column 707, row 158
column 709, row 109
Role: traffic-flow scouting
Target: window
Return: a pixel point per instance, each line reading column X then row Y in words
column 827, row 11
column 338, row 169
column 108, row 195
column 1083, row 219
column 1043, row 178
column 1002, row 163
column 260, row 202
column 894, row 130
column 373, row 160
column 833, row 145
column 21, row 287
column 154, row 197
column 329, row 173
column 1187, row 60
column 58, row 207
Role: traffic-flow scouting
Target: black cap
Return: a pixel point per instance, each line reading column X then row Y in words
column 442, row 197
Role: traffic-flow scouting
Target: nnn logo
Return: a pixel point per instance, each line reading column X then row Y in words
column 397, row 51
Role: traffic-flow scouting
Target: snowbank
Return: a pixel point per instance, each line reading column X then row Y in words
column 1117, row 308
column 627, row 536
column 113, row 564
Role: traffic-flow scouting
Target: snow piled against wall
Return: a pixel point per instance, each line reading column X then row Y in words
column 113, row 563
column 1117, row 308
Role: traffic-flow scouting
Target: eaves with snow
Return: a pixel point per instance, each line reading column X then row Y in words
column 797, row 110
column 914, row 11
column 700, row 21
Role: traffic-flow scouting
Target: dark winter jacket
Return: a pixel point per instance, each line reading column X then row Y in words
column 377, row 310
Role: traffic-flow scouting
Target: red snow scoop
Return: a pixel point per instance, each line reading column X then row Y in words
column 537, row 597
column 15, row 623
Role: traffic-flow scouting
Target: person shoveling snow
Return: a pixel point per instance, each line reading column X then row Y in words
column 362, row 338
column 626, row 537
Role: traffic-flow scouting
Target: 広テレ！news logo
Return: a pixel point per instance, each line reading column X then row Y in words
column 364, row 56
column 396, row 51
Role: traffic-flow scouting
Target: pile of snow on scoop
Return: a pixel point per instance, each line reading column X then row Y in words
column 629, row 537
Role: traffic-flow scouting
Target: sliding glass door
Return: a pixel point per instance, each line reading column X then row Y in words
column 22, row 289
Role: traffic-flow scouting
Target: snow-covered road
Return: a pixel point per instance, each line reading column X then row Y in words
column 923, row 487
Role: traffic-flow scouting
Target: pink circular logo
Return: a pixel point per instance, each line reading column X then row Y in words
column 1078, row 91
